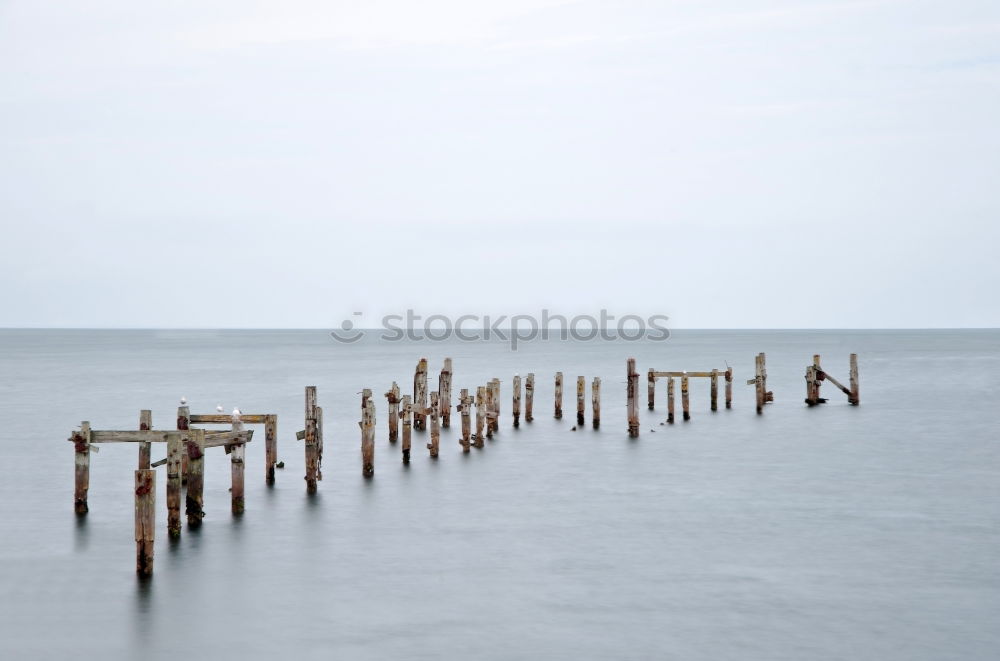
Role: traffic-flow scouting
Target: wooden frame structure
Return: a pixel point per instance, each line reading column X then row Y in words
column 759, row 381
column 713, row 376
column 815, row 376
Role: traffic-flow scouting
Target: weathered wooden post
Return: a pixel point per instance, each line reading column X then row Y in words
column 818, row 379
column 480, row 415
column 516, row 401
column 768, row 396
column 183, row 423
column 729, row 387
column 194, row 450
column 529, row 396
column 435, row 415
column 633, row 398
column 581, row 394
column 145, row 422
column 319, row 443
column 406, row 415
column 420, row 396
column 175, row 448
column 810, row 385
column 855, row 396
column 559, row 380
column 685, row 403
column 393, row 397
column 464, row 406
column 311, row 440
column 270, row 446
column 367, row 425
column 759, row 383
column 81, row 448
column 595, row 401
column 670, row 400
column 145, row 520
column 489, row 409
column 651, row 389
column 237, row 455
column 444, row 392
column 715, row 390
column 495, row 400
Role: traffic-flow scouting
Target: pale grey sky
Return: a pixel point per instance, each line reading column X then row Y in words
column 282, row 164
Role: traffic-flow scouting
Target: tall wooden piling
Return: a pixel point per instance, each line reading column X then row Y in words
column 759, row 383
column 632, row 398
column 855, row 396
column 406, row 415
column 393, row 398
column 464, row 408
column 444, row 393
column 581, row 394
column 651, row 389
column 685, row 402
column 420, row 396
column 145, row 520
column 595, row 401
column 311, row 441
column 81, row 447
column 435, row 415
column 516, row 401
column 175, row 447
column 811, row 385
column 495, row 401
column 237, row 456
column 817, row 380
column 194, row 497
column 145, row 422
column 183, row 423
column 529, row 396
column 270, row 447
column 319, row 443
column 670, row 400
column 367, row 425
column 729, row 387
column 715, row 390
column 768, row 395
column 480, row 416
column 558, row 395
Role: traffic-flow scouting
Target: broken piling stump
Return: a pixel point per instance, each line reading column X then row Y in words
column 670, row 400
column 444, row 393
column 420, row 396
column 393, row 398
column 715, row 390
column 632, row 397
column 311, row 440
column 685, row 402
column 480, row 415
column 81, row 448
column 558, row 395
column 855, row 396
column 595, row 401
column 435, row 416
column 270, row 446
column 516, row 401
column 529, row 396
column 367, row 425
column 581, row 394
column 406, row 415
column 651, row 389
column 464, row 408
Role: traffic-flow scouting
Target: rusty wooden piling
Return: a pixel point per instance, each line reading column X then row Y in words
column 444, row 393
column 81, row 448
column 685, row 402
column 145, row 449
column 406, row 415
column 464, row 408
column 729, row 387
column 237, row 456
column 855, row 396
column 194, row 496
column 145, row 520
column 393, row 398
column 480, row 416
column 367, row 425
column 516, row 401
column 435, row 415
column 818, row 380
column 632, row 398
column 715, row 390
column 759, row 383
column 420, row 396
column 810, row 385
column 529, row 396
column 175, row 449
column 311, row 441
column 670, row 400
column 651, row 389
column 270, row 447
column 183, row 423
column 495, row 400
column 581, row 395
column 558, row 395
column 595, row 401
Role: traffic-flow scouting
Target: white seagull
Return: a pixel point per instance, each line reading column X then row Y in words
column 219, row 408
column 184, row 400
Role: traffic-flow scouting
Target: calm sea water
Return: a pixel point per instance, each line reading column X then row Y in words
column 836, row 532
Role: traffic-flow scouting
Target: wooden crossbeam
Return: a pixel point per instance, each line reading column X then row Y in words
column 689, row 374
column 226, row 419
column 207, row 438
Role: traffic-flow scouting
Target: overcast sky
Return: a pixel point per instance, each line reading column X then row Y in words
column 736, row 164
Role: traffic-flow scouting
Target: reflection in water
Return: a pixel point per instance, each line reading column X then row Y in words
column 81, row 540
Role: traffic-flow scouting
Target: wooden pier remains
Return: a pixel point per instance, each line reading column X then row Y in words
column 435, row 415
column 392, row 396
column 406, row 415
column 480, row 416
column 632, row 398
column 464, row 409
column 145, row 520
column 711, row 375
column 595, row 402
column 444, row 393
column 581, row 396
column 516, row 401
column 558, row 395
column 529, row 397
column 420, row 395
column 816, row 375
column 367, row 425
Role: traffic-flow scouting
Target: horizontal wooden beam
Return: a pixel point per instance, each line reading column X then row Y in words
column 721, row 373
column 226, row 419
column 208, row 439
column 228, row 438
